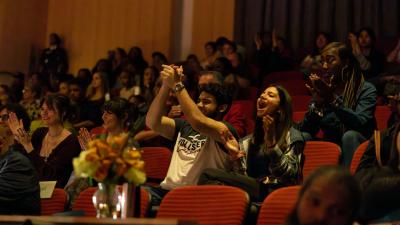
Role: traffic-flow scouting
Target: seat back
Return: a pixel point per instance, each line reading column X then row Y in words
column 300, row 102
column 84, row 202
column 298, row 116
column 319, row 153
column 277, row 206
column 382, row 114
column 55, row 204
column 357, row 156
column 156, row 163
column 206, row 204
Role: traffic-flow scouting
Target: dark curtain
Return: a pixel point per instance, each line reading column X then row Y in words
column 299, row 21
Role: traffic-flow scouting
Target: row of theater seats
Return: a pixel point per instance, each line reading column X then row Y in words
column 317, row 154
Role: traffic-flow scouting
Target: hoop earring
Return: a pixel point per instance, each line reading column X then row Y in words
column 342, row 72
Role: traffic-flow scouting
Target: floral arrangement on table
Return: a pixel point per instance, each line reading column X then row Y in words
column 111, row 160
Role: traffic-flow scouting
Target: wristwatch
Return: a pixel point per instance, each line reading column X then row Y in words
column 178, row 87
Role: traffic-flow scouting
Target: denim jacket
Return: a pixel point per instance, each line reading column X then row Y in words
column 335, row 117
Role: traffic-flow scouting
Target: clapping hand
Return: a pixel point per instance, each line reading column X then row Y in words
column 322, row 91
column 232, row 145
column 84, row 137
column 354, row 44
column 17, row 128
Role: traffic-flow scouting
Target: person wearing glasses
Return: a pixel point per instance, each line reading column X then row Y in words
column 343, row 103
column 52, row 148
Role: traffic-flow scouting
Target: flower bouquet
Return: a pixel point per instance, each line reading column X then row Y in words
column 110, row 161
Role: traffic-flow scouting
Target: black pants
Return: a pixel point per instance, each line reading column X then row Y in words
column 256, row 190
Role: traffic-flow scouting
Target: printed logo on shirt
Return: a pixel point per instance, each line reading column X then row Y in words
column 191, row 145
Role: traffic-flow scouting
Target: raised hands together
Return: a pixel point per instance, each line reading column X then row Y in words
column 322, row 91
column 171, row 75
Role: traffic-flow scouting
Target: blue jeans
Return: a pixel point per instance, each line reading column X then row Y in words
column 350, row 141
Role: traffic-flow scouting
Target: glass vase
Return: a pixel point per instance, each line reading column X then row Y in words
column 107, row 201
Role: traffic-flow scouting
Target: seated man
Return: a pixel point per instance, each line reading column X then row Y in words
column 202, row 140
column 19, row 183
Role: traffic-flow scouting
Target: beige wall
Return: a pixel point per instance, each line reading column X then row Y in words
column 92, row 27
column 22, row 33
column 211, row 19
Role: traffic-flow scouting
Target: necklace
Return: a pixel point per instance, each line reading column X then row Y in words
column 49, row 144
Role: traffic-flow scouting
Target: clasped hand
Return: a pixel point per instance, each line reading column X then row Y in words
column 171, row 75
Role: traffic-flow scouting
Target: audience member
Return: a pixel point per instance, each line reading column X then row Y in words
column 273, row 54
column 118, row 64
column 115, row 117
column 379, row 174
column 222, row 65
column 343, row 104
column 158, row 59
column 150, row 76
column 274, row 150
column 98, row 92
column 394, row 55
column 210, row 50
column 193, row 64
column 329, row 196
column 31, row 101
column 312, row 62
column 136, row 59
column 82, row 114
column 6, row 95
column 228, row 48
column 19, row 183
column 85, row 76
column 370, row 59
column 53, row 60
column 128, row 85
column 202, row 140
column 51, row 149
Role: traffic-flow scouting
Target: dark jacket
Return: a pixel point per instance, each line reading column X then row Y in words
column 334, row 119
column 19, row 185
column 282, row 165
column 380, row 185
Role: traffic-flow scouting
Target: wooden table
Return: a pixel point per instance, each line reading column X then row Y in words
column 64, row 220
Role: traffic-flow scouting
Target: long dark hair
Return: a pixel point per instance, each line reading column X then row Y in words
column 282, row 125
column 339, row 176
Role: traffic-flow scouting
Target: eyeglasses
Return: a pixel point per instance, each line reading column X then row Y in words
column 4, row 117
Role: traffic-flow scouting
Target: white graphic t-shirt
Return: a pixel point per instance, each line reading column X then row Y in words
column 192, row 154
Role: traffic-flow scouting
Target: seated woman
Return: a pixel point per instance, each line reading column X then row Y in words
column 52, row 148
column 330, row 195
column 115, row 120
column 274, row 150
column 343, row 103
